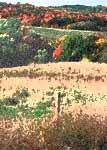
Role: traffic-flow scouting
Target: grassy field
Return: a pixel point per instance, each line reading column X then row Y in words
column 28, row 96
column 39, row 78
column 53, row 33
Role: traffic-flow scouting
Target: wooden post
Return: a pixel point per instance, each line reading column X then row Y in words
column 57, row 109
column 58, row 105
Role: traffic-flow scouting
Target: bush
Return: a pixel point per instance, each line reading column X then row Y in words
column 18, row 45
column 73, row 48
column 103, row 56
column 85, row 25
column 102, row 43
column 60, row 21
column 91, row 49
column 41, row 56
column 57, row 41
column 77, row 46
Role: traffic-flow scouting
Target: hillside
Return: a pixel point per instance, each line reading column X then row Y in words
column 84, row 8
column 67, row 17
column 53, row 77
column 89, row 77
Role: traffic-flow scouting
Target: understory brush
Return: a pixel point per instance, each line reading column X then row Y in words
column 75, row 133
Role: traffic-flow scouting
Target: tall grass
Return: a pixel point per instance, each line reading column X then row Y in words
column 79, row 133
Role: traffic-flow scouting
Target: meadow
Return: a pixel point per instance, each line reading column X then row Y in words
column 28, row 118
column 53, row 78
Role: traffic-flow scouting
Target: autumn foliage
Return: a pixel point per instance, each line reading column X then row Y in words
column 57, row 52
column 29, row 14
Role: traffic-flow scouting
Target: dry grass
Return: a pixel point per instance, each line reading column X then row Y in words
column 89, row 77
column 77, row 132
column 82, row 133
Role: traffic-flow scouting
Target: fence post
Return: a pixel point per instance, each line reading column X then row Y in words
column 58, row 105
column 57, row 108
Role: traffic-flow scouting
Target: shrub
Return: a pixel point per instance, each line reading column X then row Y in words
column 40, row 56
column 73, row 48
column 77, row 46
column 91, row 49
column 102, row 53
column 101, row 42
column 18, row 45
column 57, row 41
column 85, row 25
column 99, row 22
column 60, row 21
column 103, row 56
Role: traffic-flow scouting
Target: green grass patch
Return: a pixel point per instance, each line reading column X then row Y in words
column 42, row 108
column 8, row 112
column 16, row 105
column 51, row 33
